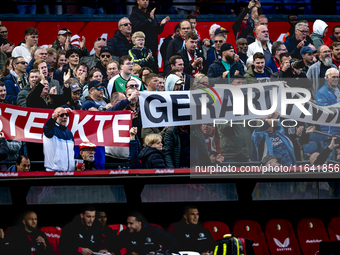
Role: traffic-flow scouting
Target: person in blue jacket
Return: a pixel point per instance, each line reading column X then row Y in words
column 270, row 139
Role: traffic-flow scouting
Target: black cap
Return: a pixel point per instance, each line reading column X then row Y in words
column 94, row 84
column 226, row 46
column 106, row 49
column 64, row 31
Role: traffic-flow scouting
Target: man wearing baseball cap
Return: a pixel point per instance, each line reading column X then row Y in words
column 87, row 152
column 73, row 103
column 105, row 56
column 63, row 42
column 307, row 54
column 227, row 66
column 96, row 91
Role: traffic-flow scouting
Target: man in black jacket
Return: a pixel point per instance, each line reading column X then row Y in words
column 190, row 235
column 141, row 238
column 144, row 19
column 192, row 55
column 81, row 236
column 121, row 42
column 26, row 239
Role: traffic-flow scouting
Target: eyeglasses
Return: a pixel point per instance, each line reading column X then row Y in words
column 133, row 85
column 105, row 55
column 3, row 32
column 63, row 115
column 99, row 39
column 303, row 32
column 126, row 24
column 219, row 41
column 21, row 62
column 100, row 88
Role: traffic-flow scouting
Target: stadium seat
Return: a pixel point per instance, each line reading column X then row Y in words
column 311, row 231
column 281, row 238
column 270, row 9
column 53, row 236
column 118, row 227
column 334, row 229
column 171, row 227
column 251, row 230
column 310, row 147
column 318, row 139
column 217, row 229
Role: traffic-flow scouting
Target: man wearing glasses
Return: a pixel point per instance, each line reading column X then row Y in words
column 58, row 142
column 92, row 60
column 300, row 39
column 96, row 91
column 118, row 82
column 121, row 41
column 7, row 46
column 16, row 80
column 105, row 57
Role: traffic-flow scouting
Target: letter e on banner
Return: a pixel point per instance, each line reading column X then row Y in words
column 118, row 127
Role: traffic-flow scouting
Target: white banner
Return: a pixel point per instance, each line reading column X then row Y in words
column 233, row 103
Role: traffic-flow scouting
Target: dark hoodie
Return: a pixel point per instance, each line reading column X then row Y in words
column 76, row 235
column 191, row 237
column 151, row 158
column 149, row 238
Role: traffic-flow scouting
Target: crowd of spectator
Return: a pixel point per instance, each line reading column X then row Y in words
column 65, row 77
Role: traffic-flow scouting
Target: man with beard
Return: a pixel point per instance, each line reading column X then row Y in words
column 73, row 104
column 226, row 67
column 105, row 57
column 142, row 238
column 190, row 235
column 26, row 239
column 316, row 72
column 87, row 151
column 242, row 48
column 262, row 43
column 81, row 236
column 335, row 48
column 296, row 42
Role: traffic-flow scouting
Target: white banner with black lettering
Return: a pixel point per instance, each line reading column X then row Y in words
column 233, row 103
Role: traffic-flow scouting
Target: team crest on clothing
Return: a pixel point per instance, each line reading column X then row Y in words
column 148, row 239
column 92, row 239
column 187, row 235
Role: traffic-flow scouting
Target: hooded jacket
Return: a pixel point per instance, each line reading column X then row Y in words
column 319, row 27
column 149, row 238
column 151, row 158
column 170, row 82
column 76, row 236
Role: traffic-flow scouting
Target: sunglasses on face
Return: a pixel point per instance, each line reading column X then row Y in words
column 219, row 41
column 22, row 62
column 3, row 32
column 105, row 55
column 100, row 88
column 126, row 24
column 133, row 85
column 99, row 39
column 63, row 115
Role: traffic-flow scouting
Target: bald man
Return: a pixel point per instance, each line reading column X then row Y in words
column 262, row 43
column 58, row 142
